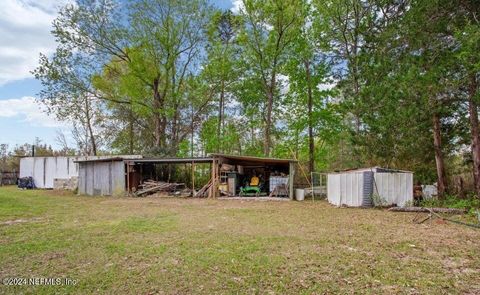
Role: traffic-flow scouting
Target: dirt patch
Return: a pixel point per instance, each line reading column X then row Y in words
column 17, row 221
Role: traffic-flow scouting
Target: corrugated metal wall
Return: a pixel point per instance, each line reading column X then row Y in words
column 45, row 169
column 345, row 188
column 395, row 188
column 355, row 188
column 101, row 178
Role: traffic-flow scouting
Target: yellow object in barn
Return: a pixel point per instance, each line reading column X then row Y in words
column 223, row 187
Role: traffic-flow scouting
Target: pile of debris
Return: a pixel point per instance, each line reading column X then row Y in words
column 204, row 191
column 151, row 186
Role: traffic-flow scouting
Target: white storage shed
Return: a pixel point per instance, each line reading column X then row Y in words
column 356, row 187
column 45, row 170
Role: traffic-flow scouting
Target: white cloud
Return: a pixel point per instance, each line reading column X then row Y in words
column 327, row 86
column 237, row 6
column 25, row 32
column 28, row 110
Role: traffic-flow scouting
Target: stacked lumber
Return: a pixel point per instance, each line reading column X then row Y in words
column 151, row 186
column 203, row 192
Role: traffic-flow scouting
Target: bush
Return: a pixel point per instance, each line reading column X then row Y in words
column 378, row 201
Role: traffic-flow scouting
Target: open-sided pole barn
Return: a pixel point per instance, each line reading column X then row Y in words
column 230, row 175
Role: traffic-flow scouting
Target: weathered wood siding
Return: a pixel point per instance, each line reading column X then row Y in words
column 101, row 178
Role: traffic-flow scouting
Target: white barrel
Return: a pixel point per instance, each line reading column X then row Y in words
column 299, row 194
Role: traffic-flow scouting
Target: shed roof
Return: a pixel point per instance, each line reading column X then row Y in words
column 210, row 158
column 171, row 160
column 105, row 159
column 254, row 159
column 373, row 169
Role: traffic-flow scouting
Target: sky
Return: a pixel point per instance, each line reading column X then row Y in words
column 25, row 27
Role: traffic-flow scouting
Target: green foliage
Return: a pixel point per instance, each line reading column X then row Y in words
column 470, row 203
column 378, row 201
column 338, row 84
column 228, row 143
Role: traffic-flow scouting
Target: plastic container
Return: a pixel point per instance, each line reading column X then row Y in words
column 300, row 194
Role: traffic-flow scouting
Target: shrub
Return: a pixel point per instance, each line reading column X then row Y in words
column 378, row 201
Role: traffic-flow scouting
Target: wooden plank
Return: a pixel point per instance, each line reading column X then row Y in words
column 291, row 177
column 204, row 189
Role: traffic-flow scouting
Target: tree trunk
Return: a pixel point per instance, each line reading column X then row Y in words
column 174, row 140
column 475, row 133
column 220, row 116
column 268, row 123
column 156, row 113
column 93, row 142
column 191, row 130
column 437, row 143
column 159, row 119
column 311, row 143
column 130, row 130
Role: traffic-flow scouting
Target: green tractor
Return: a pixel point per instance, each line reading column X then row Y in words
column 250, row 191
column 251, row 188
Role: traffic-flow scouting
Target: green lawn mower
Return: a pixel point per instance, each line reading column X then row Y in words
column 250, row 191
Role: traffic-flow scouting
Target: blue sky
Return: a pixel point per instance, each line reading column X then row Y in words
column 25, row 27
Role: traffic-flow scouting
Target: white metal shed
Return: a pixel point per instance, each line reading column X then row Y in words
column 356, row 187
column 44, row 170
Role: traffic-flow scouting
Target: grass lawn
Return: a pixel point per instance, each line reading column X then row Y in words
column 177, row 246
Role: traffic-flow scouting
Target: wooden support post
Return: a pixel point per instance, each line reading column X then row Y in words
column 213, row 191
column 215, row 180
column 128, row 178
column 291, row 177
column 212, row 172
column 193, row 178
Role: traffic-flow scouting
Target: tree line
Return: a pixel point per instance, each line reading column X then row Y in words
column 334, row 83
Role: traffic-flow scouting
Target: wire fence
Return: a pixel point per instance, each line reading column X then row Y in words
column 318, row 181
column 8, row 177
